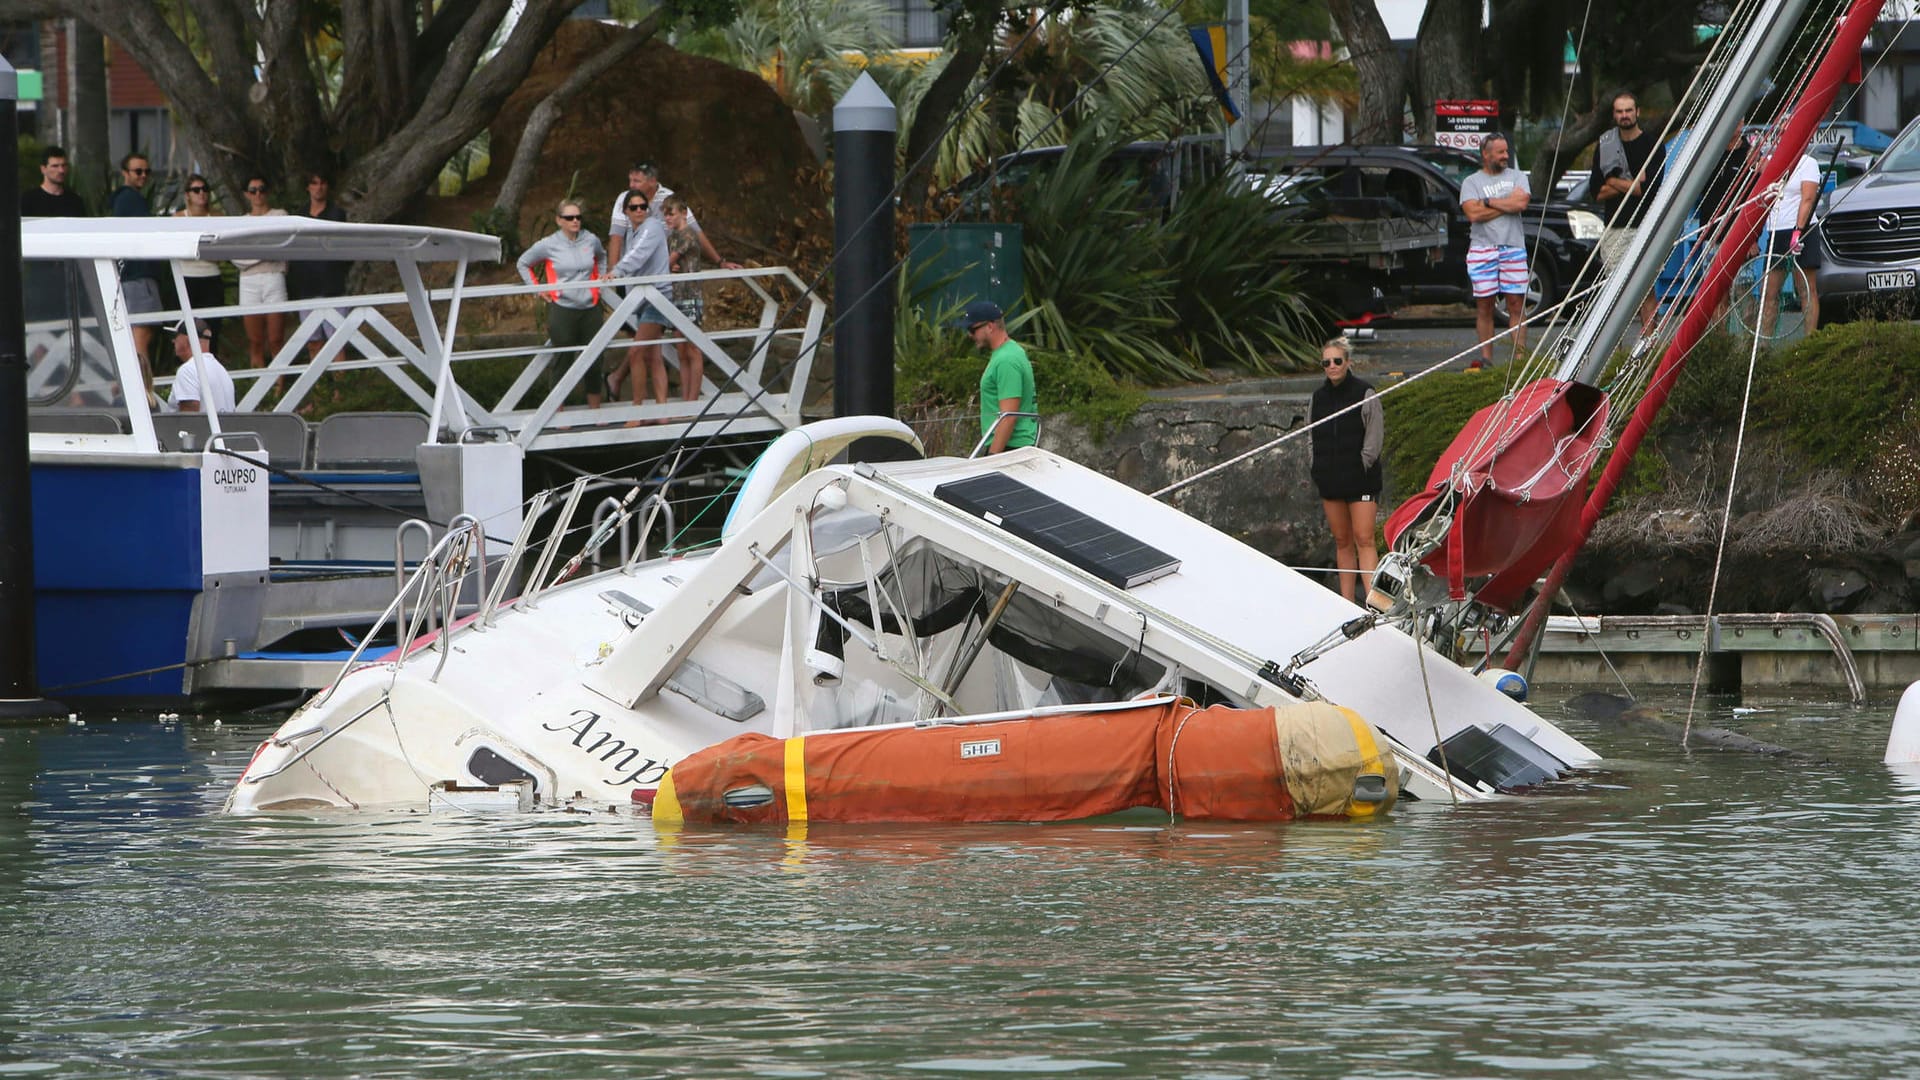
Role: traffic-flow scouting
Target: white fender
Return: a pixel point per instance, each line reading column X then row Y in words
column 1903, row 742
column 1511, row 683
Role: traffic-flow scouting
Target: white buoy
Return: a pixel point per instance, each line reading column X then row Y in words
column 1903, row 742
column 1511, row 683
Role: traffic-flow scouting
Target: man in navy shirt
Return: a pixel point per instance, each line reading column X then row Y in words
column 139, row 278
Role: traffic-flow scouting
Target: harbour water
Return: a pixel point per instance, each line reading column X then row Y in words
column 1697, row 914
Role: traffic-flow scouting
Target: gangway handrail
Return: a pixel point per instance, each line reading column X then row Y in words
column 364, row 332
column 1711, row 626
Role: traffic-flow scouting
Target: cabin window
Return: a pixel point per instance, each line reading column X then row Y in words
column 1034, row 653
column 70, row 359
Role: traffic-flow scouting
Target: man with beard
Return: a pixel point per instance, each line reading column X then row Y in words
column 1494, row 197
column 1626, row 171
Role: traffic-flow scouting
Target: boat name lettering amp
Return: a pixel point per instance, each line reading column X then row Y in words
column 646, row 771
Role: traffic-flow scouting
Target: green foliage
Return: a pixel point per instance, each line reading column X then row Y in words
column 500, row 222
column 1098, row 280
column 937, row 374
column 1424, row 416
column 29, row 162
column 1832, row 395
column 1711, row 386
column 809, row 51
column 1104, row 69
column 1156, row 298
column 1236, row 305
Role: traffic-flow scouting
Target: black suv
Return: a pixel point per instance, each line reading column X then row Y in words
column 1156, row 171
column 1424, row 181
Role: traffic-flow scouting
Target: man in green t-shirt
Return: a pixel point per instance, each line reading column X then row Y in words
column 1007, row 384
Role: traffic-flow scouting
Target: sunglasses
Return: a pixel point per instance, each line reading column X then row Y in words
column 568, row 217
column 196, row 190
column 139, row 172
column 632, row 206
column 256, row 191
column 1335, row 362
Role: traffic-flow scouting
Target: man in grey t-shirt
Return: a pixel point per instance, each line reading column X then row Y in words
column 1494, row 198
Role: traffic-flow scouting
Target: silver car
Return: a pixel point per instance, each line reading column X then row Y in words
column 1870, row 239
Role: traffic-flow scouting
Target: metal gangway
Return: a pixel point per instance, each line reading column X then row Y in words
column 755, row 377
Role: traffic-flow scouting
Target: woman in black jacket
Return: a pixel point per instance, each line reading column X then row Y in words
column 1346, row 464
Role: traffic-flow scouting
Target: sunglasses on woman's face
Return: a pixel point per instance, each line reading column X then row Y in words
column 569, row 217
column 196, row 191
column 632, row 206
column 1331, row 361
column 256, row 191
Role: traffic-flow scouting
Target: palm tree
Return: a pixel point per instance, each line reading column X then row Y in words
column 810, row 51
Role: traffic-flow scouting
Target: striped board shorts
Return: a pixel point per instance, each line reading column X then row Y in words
column 1497, row 270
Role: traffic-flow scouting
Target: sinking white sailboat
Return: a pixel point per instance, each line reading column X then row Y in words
column 931, row 592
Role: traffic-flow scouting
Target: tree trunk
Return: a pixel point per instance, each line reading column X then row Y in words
column 1444, row 64
column 87, row 72
column 533, row 138
column 1565, row 145
column 1383, row 82
column 936, row 106
column 385, row 156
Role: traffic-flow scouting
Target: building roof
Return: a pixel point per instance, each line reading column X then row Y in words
column 246, row 237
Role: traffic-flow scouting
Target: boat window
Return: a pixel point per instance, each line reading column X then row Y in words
column 941, row 592
column 69, row 355
column 832, row 532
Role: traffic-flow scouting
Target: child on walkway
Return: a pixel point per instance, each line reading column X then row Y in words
column 685, row 256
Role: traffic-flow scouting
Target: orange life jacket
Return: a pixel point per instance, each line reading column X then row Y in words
column 554, row 279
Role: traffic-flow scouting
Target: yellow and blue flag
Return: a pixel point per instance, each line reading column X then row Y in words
column 1211, row 40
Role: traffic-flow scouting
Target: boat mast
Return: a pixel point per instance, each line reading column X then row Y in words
column 1808, row 112
column 1741, row 78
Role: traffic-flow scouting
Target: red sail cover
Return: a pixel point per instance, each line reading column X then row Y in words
column 1518, row 470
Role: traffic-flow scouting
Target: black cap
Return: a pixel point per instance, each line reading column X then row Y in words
column 980, row 311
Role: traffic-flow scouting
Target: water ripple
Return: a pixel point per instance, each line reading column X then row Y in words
column 1698, row 914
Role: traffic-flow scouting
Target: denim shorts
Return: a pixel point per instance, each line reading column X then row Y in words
column 142, row 293
column 652, row 314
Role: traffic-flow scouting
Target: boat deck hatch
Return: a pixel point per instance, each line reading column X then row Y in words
column 715, row 692
column 1059, row 529
column 1500, row 758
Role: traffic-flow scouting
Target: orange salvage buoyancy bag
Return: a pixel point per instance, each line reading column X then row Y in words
column 1220, row 763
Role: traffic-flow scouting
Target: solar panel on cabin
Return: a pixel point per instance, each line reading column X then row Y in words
column 1059, row 529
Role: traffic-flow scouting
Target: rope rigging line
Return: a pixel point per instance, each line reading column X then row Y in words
column 680, row 440
column 1726, row 522
column 1297, row 432
column 886, row 280
column 1720, row 44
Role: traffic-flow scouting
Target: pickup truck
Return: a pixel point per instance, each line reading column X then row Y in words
column 1414, row 183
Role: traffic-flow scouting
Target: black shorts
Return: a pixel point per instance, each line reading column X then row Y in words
column 1779, row 241
column 1345, row 494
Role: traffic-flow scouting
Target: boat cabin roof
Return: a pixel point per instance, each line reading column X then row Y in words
column 247, row 237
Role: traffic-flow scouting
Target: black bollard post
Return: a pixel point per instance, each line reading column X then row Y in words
column 864, row 126
column 19, row 686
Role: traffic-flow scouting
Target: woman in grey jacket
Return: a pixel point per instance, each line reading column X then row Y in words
column 570, row 263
